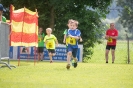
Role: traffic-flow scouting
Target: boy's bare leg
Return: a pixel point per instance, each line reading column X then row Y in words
column 41, row 56
column 69, row 54
column 38, row 56
column 50, row 57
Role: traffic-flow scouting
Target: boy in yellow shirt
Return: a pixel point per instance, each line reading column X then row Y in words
column 50, row 41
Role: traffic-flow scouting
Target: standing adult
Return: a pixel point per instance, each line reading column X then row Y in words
column 2, row 18
column 111, row 37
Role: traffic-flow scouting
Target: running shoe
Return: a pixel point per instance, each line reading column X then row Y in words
column 68, row 66
column 75, row 63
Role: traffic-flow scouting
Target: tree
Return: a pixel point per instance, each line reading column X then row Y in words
column 126, row 14
column 56, row 13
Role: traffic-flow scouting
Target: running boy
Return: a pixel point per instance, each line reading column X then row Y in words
column 74, row 36
column 70, row 21
column 50, row 41
column 65, row 40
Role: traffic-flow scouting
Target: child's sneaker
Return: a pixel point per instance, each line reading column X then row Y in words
column 51, row 61
column 75, row 63
column 72, row 62
column 68, row 66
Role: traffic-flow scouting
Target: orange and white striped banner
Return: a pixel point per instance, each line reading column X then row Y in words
column 24, row 27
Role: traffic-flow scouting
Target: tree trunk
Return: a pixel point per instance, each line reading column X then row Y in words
column 51, row 24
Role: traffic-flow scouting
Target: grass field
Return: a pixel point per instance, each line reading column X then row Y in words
column 120, row 53
column 55, row 75
column 95, row 74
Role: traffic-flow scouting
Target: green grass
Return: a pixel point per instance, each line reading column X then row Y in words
column 95, row 74
column 55, row 75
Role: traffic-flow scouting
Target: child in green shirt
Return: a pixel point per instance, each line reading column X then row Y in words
column 40, row 44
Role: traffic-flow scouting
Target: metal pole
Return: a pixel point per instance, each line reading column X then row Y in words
column 128, row 51
column 0, row 43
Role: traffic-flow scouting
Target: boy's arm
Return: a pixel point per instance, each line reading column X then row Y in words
column 56, row 41
column 65, row 33
column 64, row 40
column 80, row 39
column 76, row 37
column 45, row 41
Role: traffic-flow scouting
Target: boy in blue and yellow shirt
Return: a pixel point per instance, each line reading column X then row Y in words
column 73, row 37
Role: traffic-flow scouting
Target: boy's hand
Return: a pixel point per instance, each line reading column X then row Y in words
column 57, row 45
column 80, row 40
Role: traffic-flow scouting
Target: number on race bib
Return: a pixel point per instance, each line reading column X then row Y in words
column 72, row 41
column 50, row 45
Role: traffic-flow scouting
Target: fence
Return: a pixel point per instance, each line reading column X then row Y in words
column 121, row 53
column 4, row 41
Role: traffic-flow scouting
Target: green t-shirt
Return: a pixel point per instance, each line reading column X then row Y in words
column 40, row 40
column 3, row 19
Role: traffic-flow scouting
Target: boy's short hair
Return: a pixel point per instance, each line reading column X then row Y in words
column 70, row 20
column 49, row 29
column 76, row 22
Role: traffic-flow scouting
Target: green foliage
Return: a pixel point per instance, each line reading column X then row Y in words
column 126, row 13
column 56, row 13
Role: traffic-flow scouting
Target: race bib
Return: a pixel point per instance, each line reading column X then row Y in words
column 110, row 40
column 39, row 39
column 72, row 41
column 49, row 45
